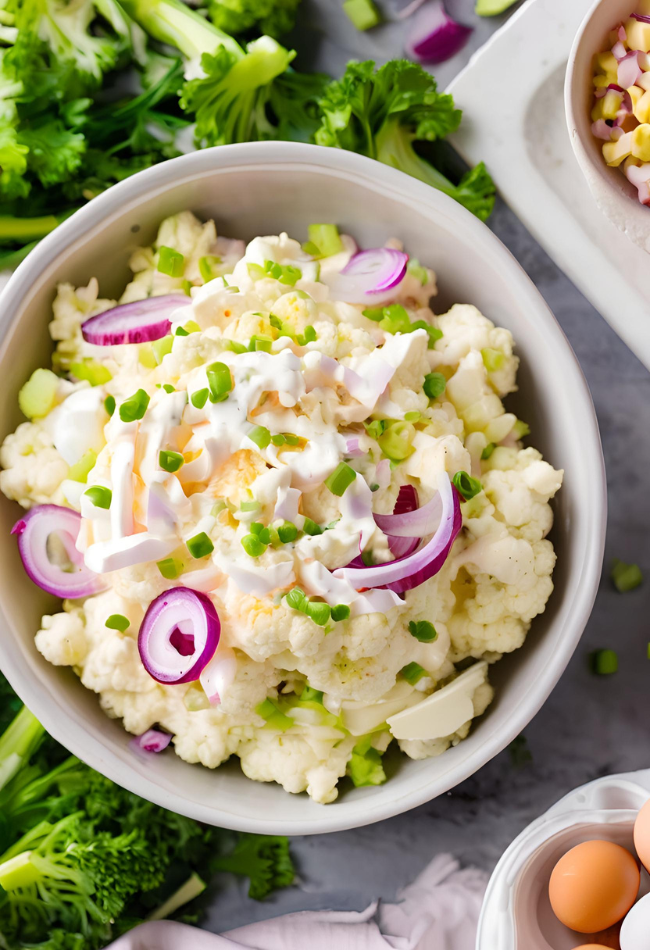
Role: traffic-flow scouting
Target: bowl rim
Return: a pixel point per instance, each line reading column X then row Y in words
column 628, row 214
column 83, row 743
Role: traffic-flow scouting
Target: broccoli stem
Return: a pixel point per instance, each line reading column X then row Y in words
column 394, row 148
column 192, row 888
column 26, row 229
column 17, row 744
column 170, row 21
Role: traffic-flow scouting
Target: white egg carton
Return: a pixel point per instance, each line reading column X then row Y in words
column 516, row 912
column 511, row 94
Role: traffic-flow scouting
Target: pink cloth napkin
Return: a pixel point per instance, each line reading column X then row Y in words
column 439, row 911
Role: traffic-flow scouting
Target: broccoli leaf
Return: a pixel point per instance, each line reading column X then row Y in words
column 263, row 859
column 273, row 17
column 383, row 113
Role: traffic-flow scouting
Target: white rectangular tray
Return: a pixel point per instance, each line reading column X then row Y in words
column 511, row 94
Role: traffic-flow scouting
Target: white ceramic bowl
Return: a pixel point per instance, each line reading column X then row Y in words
column 616, row 196
column 259, row 189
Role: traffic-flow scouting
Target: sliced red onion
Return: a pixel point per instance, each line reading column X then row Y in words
column 641, row 17
column 409, row 572
column 34, row 530
column 629, row 69
column 407, row 501
column 353, row 450
column 179, row 635
column 436, row 36
column 409, row 521
column 153, row 740
column 601, row 130
column 639, row 176
column 622, row 35
column 219, row 675
column 370, row 277
column 139, row 322
column 619, row 51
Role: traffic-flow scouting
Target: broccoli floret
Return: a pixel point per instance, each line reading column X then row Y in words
column 382, row 113
column 273, row 17
column 264, row 859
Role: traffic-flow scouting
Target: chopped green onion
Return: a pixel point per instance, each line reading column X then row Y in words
column 170, row 461
column 318, row 612
column 415, row 269
column 466, row 485
column 340, row 612
column 181, row 331
column 493, row 360
column 413, row 416
column 434, row 333
column 168, row 388
column 100, row 497
column 311, row 695
column 374, row 313
column 255, row 272
column 118, row 622
column 291, row 439
column 207, row 267
column 109, row 405
column 648, row 651
column 199, row 398
column 253, row 546
column 340, row 479
column 326, row 239
column 604, row 662
column 134, row 407
column 170, row 262
column 413, row 673
column 364, row 15
column 92, row 371
column 274, row 717
column 250, row 505
column 287, row 532
column 200, row 545
column 434, row 385
column 187, row 287
column 146, row 357
column 260, row 343
column 261, row 436
column 626, row 577
column 423, row 631
column 310, row 248
column 310, row 335
column 235, row 346
column 170, row 567
column 396, row 441
column 520, row 429
column 219, row 381
column 162, row 347
column 80, row 470
column 296, row 599
column 310, row 527
column 395, row 319
column 256, row 527
column 376, row 427
column 488, row 450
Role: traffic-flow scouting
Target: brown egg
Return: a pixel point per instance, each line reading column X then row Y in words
column 642, row 835
column 593, row 886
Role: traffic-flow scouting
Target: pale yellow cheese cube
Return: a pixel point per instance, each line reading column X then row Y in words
column 607, row 64
column 641, row 107
column 611, row 104
column 631, row 161
column 644, row 81
column 617, row 152
column 641, row 142
column 638, row 34
column 635, row 94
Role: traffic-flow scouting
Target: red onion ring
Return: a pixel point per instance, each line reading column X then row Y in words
column 153, row 740
column 436, row 36
column 641, row 17
column 139, row 322
column 409, row 572
column 407, row 502
column 370, row 276
column 179, row 635
column 33, row 531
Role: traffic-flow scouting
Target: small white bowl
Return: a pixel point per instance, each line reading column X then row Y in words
column 263, row 188
column 516, row 912
column 616, row 197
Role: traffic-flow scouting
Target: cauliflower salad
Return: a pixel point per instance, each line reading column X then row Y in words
column 282, row 501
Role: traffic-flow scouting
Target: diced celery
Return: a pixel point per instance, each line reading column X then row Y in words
column 146, row 356
column 208, row 267
column 492, row 359
column 91, row 370
column 363, row 13
column 38, row 395
column 325, row 238
column 161, row 348
column 80, row 470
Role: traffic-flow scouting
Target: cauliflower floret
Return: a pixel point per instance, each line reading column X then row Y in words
column 464, row 328
column 429, row 748
column 432, row 456
column 527, row 514
column 202, row 736
column 113, row 662
column 291, row 761
column 33, row 469
column 62, row 638
column 138, row 711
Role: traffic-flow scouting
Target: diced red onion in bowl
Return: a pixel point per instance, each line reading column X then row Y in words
column 601, row 130
column 138, row 322
column 629, row 69
column 153, row 740
column 34, row 531
column 619, row 51
column 641, row 17
column 407, row 502
column 370, row 277
column 178, row 635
